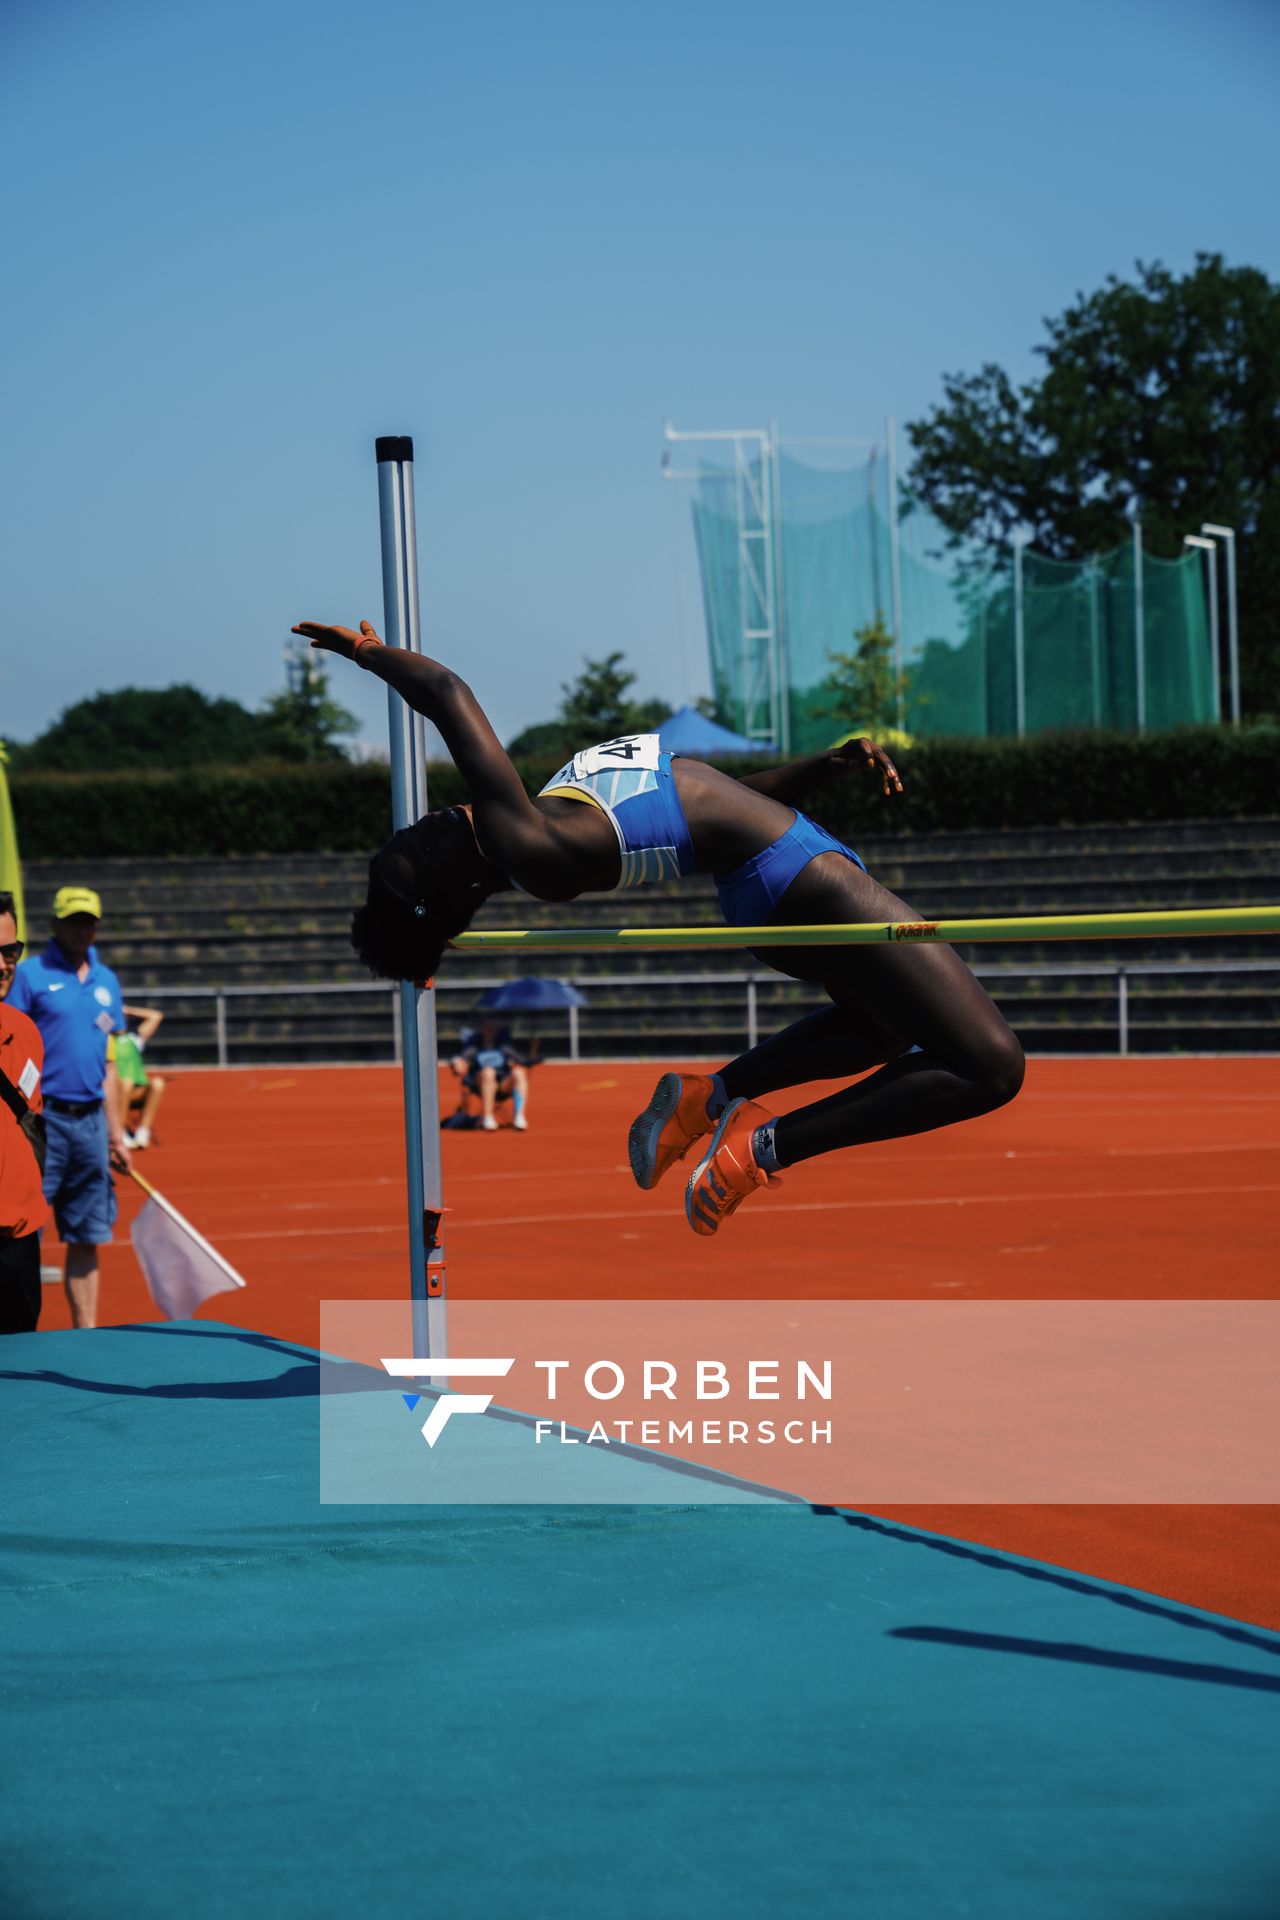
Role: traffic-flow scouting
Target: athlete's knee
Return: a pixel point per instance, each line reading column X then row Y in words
column 1002, row 1069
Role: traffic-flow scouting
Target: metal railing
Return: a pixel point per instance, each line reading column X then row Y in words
column 1122, row 972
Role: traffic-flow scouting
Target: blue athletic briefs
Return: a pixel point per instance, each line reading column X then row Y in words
column 750, row 893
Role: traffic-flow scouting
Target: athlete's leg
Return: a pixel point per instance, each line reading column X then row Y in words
column 969, row 1061
column 826, row 1045
column 143, row 1107
column 151, row 1106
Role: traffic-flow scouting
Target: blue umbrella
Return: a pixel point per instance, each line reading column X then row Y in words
column 530, row 994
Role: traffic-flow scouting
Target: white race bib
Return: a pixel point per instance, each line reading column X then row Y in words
column 637, row 752
column 28, row 1080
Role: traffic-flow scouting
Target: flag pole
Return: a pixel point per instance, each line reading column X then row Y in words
column 417, row 1001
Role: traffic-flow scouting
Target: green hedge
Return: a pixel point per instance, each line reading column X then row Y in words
column 1193, row 773
column 1196, row 773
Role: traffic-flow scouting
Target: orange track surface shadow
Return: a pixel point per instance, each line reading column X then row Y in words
column 1105, row 1179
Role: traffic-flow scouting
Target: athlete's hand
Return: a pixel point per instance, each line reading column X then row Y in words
column 864, row 756
column 347, row 644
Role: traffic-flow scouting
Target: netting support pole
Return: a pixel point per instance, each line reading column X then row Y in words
column 782, row 739
column 1019, row 656
column 417, row 1002
column 1095, row 657
column 1215, row 649
column 1233, row 626
column 895, row 564
column 1228, row 534
column 1122, row 1009
column 1209, row 548
column 1139, row 628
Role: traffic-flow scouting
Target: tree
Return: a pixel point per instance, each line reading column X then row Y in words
column 598, row 704
column 1160, row 397
column 863, row 692
column 146, row 727
column 595, row 706
column 303, row 722
column 545, row 736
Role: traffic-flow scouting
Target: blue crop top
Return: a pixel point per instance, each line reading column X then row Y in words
column 631, row 781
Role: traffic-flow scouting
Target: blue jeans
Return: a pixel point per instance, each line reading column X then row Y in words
column 77, row 1177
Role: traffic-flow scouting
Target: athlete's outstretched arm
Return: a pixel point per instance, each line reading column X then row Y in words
column 512, row 832
column 798, row 778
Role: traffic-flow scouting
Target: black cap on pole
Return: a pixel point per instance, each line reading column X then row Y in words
column 394, row 446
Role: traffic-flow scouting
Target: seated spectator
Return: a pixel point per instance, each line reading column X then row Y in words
column 141, row 1092
column 489, row 1063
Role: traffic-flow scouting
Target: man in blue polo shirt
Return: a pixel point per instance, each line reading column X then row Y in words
column 75, row 1001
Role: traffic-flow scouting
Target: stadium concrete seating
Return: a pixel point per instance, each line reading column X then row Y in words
column 272, row 921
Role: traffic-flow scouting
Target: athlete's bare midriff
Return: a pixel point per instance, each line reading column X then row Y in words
column 728, row 823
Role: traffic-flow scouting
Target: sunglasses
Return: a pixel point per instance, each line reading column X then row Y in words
column 13, row 951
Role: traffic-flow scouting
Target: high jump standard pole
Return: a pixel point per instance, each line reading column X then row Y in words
column 417, row 1002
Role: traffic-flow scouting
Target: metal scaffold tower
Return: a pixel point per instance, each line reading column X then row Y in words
column 751, row 484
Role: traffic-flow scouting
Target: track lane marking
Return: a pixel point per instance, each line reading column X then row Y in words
column 897, row 1204
column 869, row 1157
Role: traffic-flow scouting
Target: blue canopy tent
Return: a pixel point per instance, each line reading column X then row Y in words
column 691, row 732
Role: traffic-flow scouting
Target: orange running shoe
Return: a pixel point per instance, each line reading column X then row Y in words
column 728, row 1170
column 674, row 1118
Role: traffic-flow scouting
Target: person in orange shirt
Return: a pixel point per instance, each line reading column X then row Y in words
column 23, row 1208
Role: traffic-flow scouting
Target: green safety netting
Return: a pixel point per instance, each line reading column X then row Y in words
column 795, row 559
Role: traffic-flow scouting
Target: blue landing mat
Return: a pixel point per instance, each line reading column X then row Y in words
column 222, row 1698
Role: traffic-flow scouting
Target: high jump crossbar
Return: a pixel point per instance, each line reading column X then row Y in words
column 1067, row 926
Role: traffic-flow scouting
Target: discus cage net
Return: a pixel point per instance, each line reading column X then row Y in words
column 797, row 555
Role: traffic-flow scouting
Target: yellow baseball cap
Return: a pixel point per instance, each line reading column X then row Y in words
column 69, row 900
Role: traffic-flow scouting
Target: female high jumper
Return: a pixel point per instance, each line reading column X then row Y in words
column 912, row 1010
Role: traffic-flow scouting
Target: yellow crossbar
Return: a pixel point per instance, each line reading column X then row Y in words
column 1067, row 926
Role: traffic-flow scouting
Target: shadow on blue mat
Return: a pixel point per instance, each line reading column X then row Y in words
column 1054, row 1577
column 1085, row 1656
column 299, row 1381
column 281, row 1386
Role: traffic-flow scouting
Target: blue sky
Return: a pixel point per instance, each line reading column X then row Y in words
column 248, row 238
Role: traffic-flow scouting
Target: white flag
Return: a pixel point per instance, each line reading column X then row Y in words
column 181, row 1269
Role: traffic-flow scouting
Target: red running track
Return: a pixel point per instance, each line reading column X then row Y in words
column 1105, row 1179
